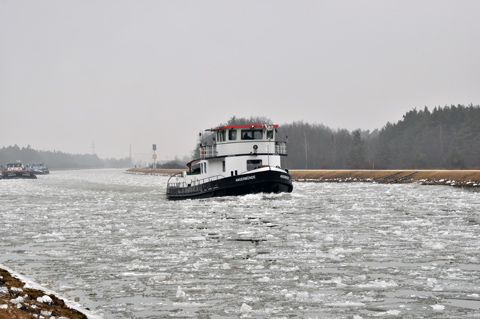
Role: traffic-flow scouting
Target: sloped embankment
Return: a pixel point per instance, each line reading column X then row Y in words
column 466, row 178
column 19, row 301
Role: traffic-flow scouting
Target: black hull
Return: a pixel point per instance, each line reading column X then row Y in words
column 17, row 175
column 260, row 182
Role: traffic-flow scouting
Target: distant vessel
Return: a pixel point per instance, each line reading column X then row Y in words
column 239, row 160
column 39, row 168
column 16, row 170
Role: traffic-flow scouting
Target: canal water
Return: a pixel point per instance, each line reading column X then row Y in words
column 115, row 244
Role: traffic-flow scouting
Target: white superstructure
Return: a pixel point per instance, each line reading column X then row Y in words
column 234, row 150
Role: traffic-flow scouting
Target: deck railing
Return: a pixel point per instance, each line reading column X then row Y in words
column 210, row 151
column 281, row 148
column 196, row 182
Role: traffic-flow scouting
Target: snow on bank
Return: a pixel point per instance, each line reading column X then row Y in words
column 45, row 299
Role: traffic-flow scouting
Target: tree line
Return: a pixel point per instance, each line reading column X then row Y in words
column 444, row 138
column 58, row 160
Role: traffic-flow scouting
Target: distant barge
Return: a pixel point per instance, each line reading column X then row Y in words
column 16, row 170
column 39, row 169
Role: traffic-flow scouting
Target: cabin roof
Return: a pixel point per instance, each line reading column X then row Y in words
column 241, row 126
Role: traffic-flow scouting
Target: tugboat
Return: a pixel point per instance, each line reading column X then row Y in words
column 39, row 169
column 16, row 170
column 236, row 160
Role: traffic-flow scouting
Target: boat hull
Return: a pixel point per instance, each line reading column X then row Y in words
column 268, row 181
column 17, row 174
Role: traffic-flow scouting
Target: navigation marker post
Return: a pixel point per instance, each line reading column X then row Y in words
column 154, row 156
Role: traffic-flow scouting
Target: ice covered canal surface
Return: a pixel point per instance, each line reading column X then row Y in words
column 327, row 250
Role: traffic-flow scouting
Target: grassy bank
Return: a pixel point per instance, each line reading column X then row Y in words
column 415, row 175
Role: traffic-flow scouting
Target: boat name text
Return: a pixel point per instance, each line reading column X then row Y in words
column 246, row 178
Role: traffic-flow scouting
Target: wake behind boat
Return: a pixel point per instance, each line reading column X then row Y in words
column 239, row 160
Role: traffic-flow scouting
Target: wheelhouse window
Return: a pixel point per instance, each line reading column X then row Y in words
column 252, row 134
column 195, row 169
column 222, row 136
column 252, row 164
column 232, row 135
column 270, row 135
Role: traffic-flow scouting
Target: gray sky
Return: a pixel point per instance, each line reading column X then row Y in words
column 120, row 73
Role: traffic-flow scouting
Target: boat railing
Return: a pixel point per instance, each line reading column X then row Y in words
column 208, row 151
column 281, row 148
column 195, row 182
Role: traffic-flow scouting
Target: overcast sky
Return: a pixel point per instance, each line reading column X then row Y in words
column 133, row 73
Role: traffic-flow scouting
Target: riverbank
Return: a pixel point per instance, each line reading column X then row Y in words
column 467, row 178
column 18, row 300
column 463, row 178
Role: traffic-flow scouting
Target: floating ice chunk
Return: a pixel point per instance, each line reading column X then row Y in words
column 45, row 299
column 289, row 296
column 378, row 285
column 264, row 279
column 329, row 238
column 226, row 266
column 345, row 304
column 244, row 233
column 302, row 295
column 341, row 250
column 393, row 312
column 341, row 285
column 245, row 308
column 159, row 278
column 360, row 278
column 197, row 238
column 357, row 317
column 180, row 293
column 129, row 274
column 438, row 308
column 431, row 282
column 337, row 280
